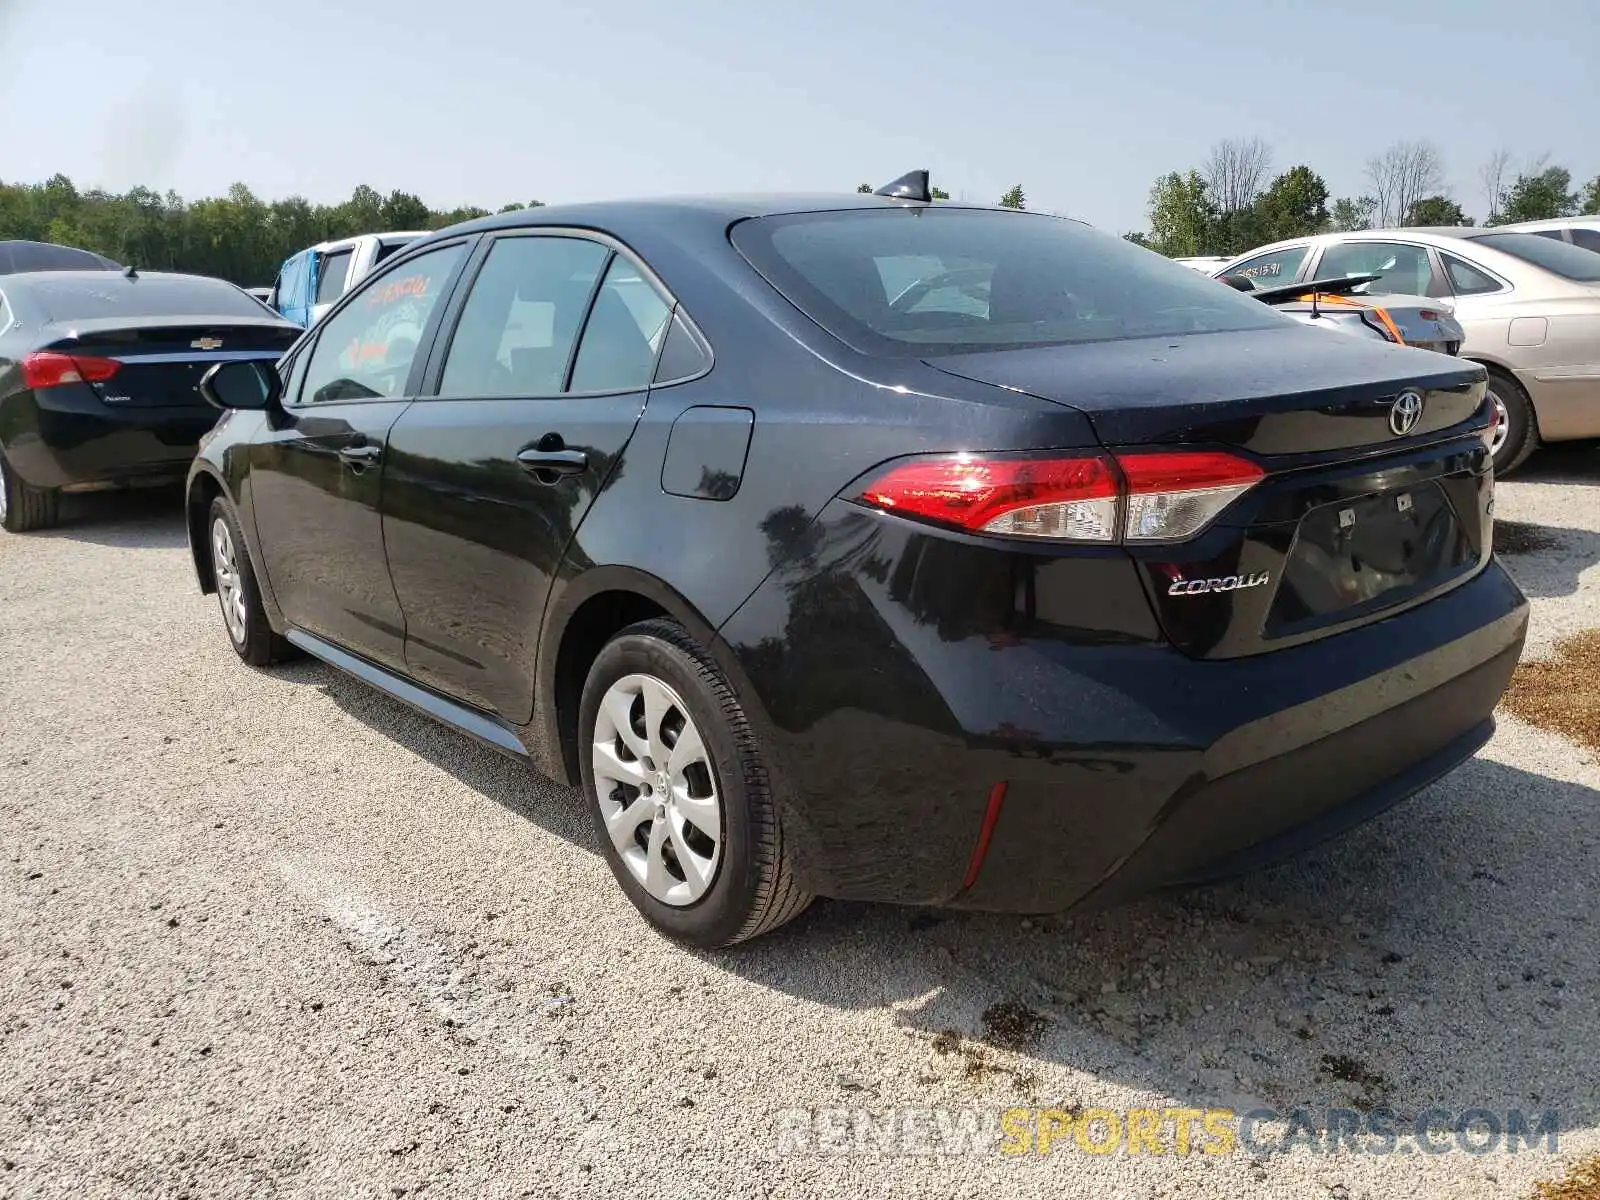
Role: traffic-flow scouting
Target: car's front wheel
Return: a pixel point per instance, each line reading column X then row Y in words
column 24, row 507
column 678, row 790
column 238, row 594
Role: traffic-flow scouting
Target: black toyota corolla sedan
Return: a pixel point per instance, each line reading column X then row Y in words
column 865, row 547
column 98, row 378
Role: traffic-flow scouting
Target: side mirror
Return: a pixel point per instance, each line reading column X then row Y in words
column 243, row 383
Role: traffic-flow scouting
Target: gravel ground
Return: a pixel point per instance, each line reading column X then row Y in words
column 269, row 933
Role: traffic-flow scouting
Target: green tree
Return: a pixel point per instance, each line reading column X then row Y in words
column 1182, row 215
column 1539, row 196
column 1436, row 210
column 1589, row 203
column 938, row 193
column 866, row 189
column 1350, row 215
column 1014, row 198
column 1137, row 238
column 1294, row 205
column 402, row 210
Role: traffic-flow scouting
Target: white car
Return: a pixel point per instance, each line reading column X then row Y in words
column 1204, row 262
column 311, row 281
column 1580, row 231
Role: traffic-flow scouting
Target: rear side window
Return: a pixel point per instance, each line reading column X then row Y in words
column 331, row 273
column 517, row 328
column 930, row 281
column 93, row 296
column 390, row 248
column 1587, row 239
column 1273, row 268
column 1467, row 280
column 623, row 334
column 1559, row 258
column 682, row 356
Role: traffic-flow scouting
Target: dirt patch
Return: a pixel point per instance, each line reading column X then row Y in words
column 1581, row 1182
column 1518, row 537
column 1561, row 694
column 1012, row 1025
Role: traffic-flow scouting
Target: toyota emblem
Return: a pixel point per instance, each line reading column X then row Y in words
column 1405, row 414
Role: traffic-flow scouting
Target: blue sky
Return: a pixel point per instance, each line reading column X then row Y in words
column 490, row 101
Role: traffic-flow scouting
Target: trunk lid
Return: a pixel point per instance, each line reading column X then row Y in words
column 1363, row 511
column 162, row 359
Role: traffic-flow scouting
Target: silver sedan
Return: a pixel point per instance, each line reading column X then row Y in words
column 1529, row 307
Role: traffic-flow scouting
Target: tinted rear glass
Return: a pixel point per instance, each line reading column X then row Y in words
column 928, row 281
column 1560, row 258
column 81, row 296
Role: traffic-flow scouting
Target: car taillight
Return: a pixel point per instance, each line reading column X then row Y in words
column 1172, row 496
column 47, row 368
column 1158, row 496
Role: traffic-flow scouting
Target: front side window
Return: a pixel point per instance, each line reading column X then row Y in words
column 930, row 281
column 331, row 276
column 623, row 333
column 1404, row 269
column 1587, row 239
column 521, row 318
column 1274, row 267
column 366, row 349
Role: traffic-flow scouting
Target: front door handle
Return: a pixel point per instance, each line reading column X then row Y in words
column 363, row 455
column 554, row 462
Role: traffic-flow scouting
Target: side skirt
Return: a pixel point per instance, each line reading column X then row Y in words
column 480, row 726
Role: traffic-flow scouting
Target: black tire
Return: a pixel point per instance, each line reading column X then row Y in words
column 254, row 641
column 753, row 890
column 1522, row 430
column 26, row 507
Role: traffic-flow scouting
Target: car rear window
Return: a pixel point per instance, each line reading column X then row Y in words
column 1559, row 258
column 81, row 296
column 930, row 281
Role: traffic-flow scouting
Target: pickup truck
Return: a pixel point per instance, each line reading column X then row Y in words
column 310, row 281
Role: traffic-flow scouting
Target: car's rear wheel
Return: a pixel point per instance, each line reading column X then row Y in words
column 1516, row 435
column 24, row 507
column 678, row 790
column 238, row 594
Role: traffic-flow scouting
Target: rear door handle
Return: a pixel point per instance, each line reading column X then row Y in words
column 554, row 462
column 362, row 455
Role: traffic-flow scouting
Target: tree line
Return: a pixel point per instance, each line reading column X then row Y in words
column 1233, row 202
column 1229, row 204
column 238, row 237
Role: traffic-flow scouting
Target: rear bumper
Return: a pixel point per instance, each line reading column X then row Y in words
column 1129, row 766
column 66, row 437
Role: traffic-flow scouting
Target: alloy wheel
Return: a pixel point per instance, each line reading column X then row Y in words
column 230, row 588
column 657, row 789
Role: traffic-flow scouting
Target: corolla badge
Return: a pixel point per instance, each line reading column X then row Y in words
column 1225, row 583
column 1405, row 413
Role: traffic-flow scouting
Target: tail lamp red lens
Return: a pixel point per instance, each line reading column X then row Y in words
column 1157, row 496
column 49, row 368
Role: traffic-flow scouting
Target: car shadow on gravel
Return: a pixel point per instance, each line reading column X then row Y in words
column 1545, row 560
column 141, row 518
column 1563, row 463
column 1440, row 956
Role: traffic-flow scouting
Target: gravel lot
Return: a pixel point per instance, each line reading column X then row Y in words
column 270, row 933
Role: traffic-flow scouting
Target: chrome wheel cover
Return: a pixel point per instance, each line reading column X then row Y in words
column 230, row 587
column 657, row 789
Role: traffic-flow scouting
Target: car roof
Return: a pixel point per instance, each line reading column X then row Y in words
column 1592, row 221
column 100, row 278
column 722, row 209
